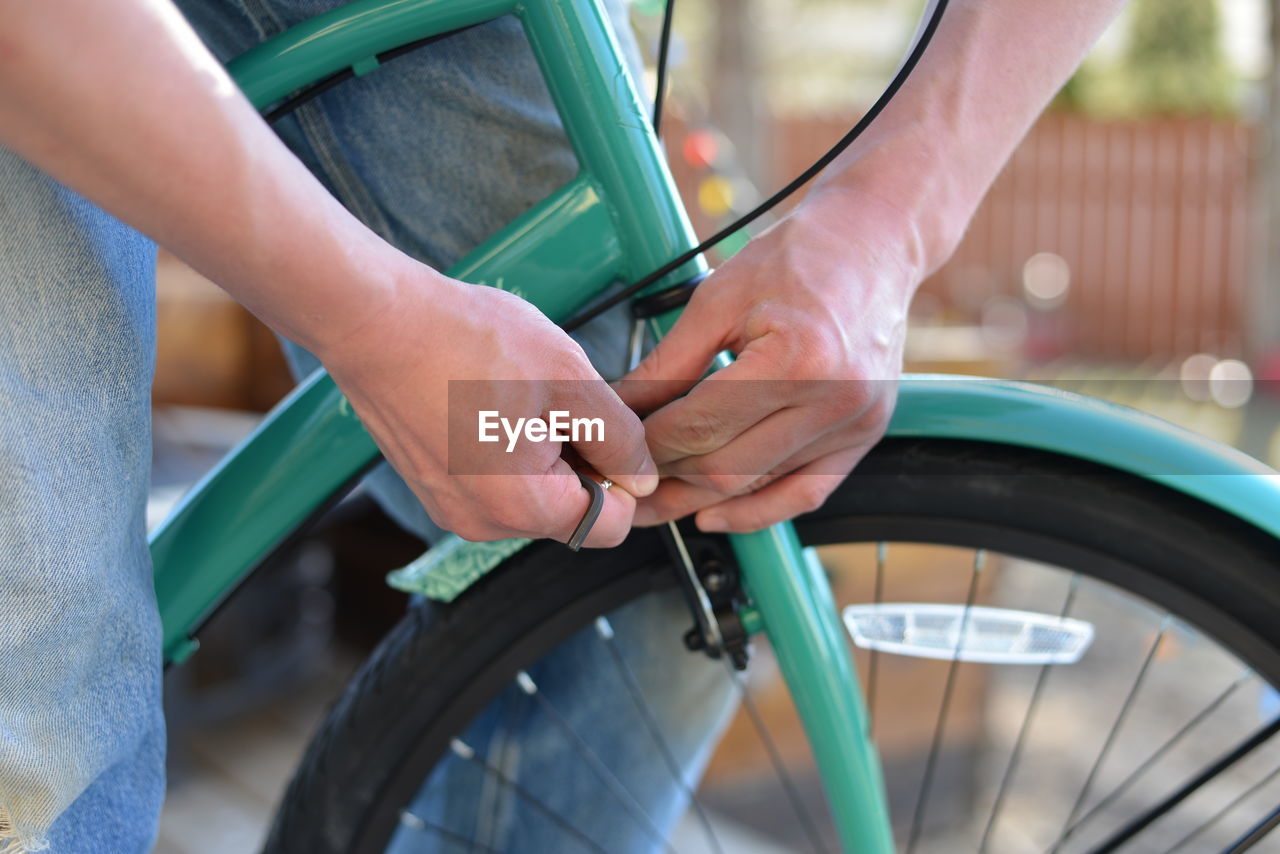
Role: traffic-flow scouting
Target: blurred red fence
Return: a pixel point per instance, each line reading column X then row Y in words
column 1152, row 218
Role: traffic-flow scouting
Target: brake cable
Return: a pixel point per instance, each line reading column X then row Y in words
column 664, row 52
column 913, row 58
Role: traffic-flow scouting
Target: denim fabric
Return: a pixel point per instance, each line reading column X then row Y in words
column 688, row 695
column 435, row 151
column 79, row 632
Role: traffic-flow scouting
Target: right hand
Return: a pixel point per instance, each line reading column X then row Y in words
column 395, row 369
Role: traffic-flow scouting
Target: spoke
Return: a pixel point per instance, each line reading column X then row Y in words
column 1255, row 835
column 873, row 666
column 1220, row 814
column 939, row 729
column 597, row 765
column 775, row 759
column 1138, row 682
column 628, row 676
column 1139, row 824
column 1161, row 751
column 1033, row 705
column 464, row 751
column 415, row 822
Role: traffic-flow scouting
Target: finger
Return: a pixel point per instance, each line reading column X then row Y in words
column 795, row 434
column 611, row 526
column 802, row 492
column 617, row 450
column 676, row 498
column 715, row 412
column 673, row 499
column 680, row 358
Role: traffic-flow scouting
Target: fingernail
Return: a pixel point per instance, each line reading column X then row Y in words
column 646, row 478
column 711, row 523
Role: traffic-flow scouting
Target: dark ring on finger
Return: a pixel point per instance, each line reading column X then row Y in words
column 579, row 535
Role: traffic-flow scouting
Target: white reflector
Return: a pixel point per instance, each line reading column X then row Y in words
column 993, row 635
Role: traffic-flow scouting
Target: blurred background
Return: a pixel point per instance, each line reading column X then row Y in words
column 1126, row 251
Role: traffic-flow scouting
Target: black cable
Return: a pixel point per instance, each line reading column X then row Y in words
column 297, row 99
column 913, row 59
column 799, row 181
column 664, row 51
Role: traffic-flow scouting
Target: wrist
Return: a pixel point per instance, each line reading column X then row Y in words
column 351, row 307
column 906, row 182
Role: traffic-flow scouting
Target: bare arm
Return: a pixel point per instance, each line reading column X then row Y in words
column 121, row 102
column 989, row 72
column 821, row 298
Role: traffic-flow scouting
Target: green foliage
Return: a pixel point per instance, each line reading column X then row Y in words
column 1173, row 63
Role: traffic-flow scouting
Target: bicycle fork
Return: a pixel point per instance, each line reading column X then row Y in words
column 792, row 602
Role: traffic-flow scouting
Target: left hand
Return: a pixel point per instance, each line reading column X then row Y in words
column 815, row 309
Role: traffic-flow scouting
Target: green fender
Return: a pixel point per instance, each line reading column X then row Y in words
column 986, row 410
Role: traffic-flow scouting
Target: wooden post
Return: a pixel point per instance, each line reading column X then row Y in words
column 737, row 101
column 1262, row 302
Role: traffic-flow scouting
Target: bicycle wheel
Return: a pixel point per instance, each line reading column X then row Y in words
column 1045, row 755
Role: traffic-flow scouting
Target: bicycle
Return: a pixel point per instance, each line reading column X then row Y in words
column 1109, row 495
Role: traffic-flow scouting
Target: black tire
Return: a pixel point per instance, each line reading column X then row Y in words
column 441, row 665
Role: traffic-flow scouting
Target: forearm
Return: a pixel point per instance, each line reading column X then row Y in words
column 991, row 68
column 121, row 102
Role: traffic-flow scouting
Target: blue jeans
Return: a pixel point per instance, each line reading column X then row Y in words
column 435, row 151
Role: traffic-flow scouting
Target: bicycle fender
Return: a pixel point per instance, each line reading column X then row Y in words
column 944, row 406
column 1073, row 425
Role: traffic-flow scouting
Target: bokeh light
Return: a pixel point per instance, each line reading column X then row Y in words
column 1231, row 383
column 1194, row 375
column 1046, row 278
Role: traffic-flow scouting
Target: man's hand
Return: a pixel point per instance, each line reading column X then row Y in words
column 395, row 369
column 815, row 309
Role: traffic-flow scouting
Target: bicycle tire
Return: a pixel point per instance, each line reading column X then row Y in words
column 441, row 664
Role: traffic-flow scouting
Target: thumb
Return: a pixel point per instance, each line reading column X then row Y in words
column 618, row 450
column 679, row 360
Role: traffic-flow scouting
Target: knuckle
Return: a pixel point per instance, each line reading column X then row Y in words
column 765, row 480
column 879, row 409
column 812, row 494
column 815, row 359
column 625, row 441
column 851, row 396
column 725, row 483
column 813, row 352
column 469, row 530
column 577, row 361
column 698, row 432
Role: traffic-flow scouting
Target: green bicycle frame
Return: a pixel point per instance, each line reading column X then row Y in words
column 617, row 220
